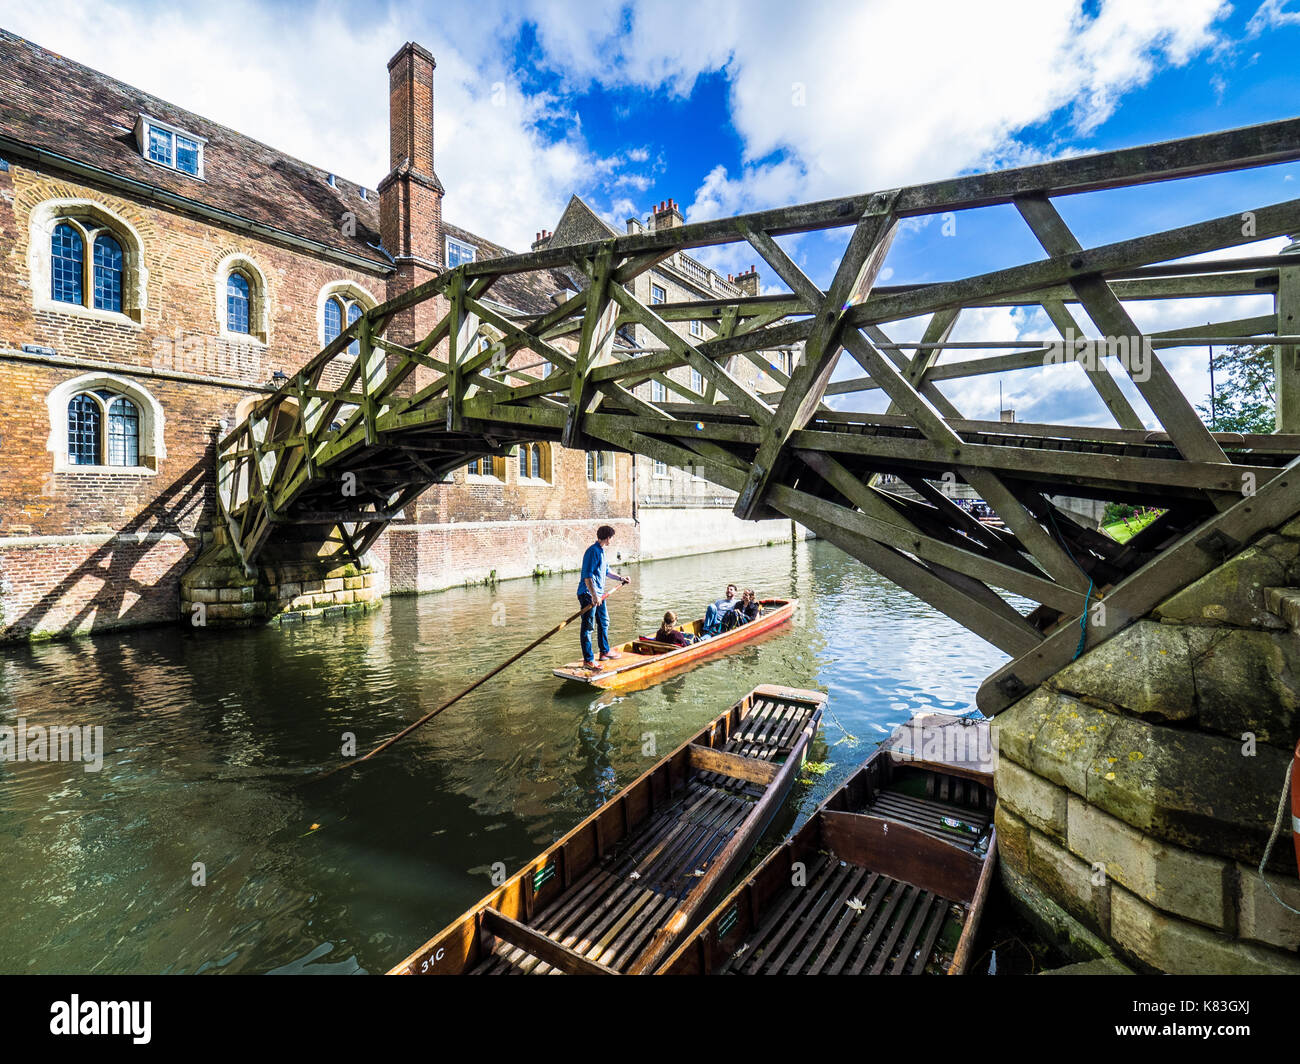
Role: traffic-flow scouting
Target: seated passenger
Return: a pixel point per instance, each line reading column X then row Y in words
column 746, row 610
column 670, row 633
column 718, row 610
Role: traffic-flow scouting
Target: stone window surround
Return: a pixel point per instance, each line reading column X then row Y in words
column 498, row 464
column 151, row 446
column 259, row 317
column 548, row 457
column 89, row 219
column 347, row 290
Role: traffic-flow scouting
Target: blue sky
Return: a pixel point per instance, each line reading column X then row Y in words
column 733, row 106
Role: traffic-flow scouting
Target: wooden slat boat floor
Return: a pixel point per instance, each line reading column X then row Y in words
column 926, row 814
column 814, row 930
column 610, row 913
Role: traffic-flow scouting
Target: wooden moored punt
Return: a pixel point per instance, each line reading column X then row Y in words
column 644, row 659
column 889, row 876
column 619, row 891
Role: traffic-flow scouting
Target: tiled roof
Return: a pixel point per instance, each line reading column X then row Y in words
column 53, row 103
column 529, row 292
column 61, row 106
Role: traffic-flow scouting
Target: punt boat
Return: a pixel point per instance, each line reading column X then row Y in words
column 618, row 892
column 646, row 659
column 889, row 876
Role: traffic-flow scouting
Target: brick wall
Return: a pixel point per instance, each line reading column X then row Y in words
column 62, row 583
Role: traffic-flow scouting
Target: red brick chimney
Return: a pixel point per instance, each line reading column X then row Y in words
column 747, row 282
column 667, row 216
column 410, row 197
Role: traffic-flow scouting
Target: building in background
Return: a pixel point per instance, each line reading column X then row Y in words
column 678, row 512
column 161, row 274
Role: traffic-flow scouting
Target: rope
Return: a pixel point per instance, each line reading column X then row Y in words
column 1083, row 622
column 1277, row 830
column 1087, row 599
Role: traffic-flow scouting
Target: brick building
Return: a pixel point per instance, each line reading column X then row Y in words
column 159, row 272
column 676, row 511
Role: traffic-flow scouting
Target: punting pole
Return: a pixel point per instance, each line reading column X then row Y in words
column 477, row 683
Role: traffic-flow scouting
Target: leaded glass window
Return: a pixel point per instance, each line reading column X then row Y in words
column 108, row 273
column 67, row 256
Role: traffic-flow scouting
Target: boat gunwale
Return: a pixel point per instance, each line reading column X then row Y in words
column 808, row 835
column 634, row 669
column 715, row 734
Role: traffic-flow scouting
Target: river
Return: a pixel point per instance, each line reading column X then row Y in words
column 203, row 845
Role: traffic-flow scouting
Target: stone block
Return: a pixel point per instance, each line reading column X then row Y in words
column 1197, row 791
column 1259, row 916
column 1036, row 801
column 1171, row 944
column 1013, row 838
column 1169, row 877
column 1067, row 741
column 351, row 583
column 1146, row 669
column 1015, row 727
column 1234, row 592
column 203, row 594
column 290, row 590
column 1069, row 881
column 1232, row 662
column 334, row 584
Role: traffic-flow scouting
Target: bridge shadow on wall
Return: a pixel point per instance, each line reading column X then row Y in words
column 121, row 595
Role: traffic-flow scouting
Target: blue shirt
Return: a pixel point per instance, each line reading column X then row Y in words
column 593, row 566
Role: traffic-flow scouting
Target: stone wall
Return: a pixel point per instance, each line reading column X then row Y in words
column 677, row 531
column 1138, row 787
column 287, row 585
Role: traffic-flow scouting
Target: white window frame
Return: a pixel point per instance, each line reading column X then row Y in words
column 461, row 246
column 662, row 296
column 697, row 380
column 697, row 327
column 146, row 122
column 487, row 478
column 603, row 463
column 661, row 469
column 151, row 449
column 658, row 392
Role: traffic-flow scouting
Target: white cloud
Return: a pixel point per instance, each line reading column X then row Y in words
column 312, row 81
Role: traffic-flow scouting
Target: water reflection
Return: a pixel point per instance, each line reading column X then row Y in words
column 211, row 740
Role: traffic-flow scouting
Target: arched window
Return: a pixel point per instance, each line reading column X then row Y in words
column 108, row 273
column 83, row 430
column 535, row 462
column 354, row 312
column 123, row 432
column 84, row 255
column 600, row 467
column 333, row 319
column 105, row 421
column 67, row 264
column 238, row 302
column 102, row 423
column 342, row 310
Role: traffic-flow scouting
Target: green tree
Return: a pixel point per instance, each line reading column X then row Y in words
column 1243, row 390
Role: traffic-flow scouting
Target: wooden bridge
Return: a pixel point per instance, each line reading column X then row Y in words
column 349, row 441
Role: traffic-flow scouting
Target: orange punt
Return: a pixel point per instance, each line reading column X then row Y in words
column 643, row 659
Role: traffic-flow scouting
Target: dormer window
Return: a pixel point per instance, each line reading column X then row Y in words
column 459, row 253
column 170, row 147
